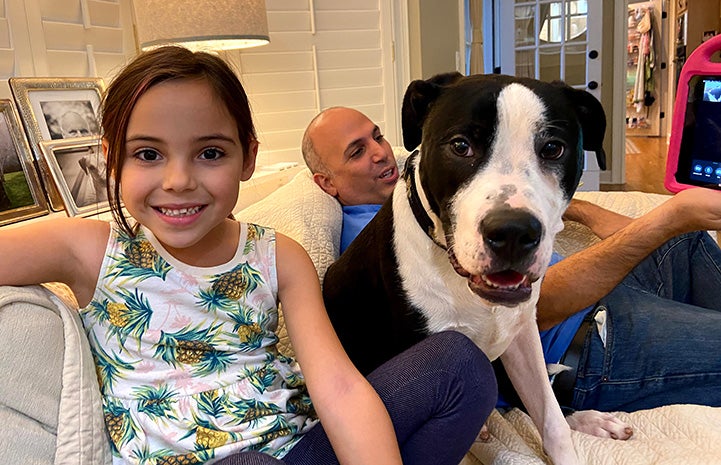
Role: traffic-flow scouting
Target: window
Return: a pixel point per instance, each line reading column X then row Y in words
column 559, row 27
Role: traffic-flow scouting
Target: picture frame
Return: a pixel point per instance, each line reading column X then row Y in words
column 21, row 194
column 77, row 166
column 56, row 109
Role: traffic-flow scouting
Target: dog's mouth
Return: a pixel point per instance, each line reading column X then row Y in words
column 505, row 287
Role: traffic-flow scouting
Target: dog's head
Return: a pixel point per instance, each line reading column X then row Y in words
column 500, row 159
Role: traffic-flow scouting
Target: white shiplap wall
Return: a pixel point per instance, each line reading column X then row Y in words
column 322, row 53
column 64, row 38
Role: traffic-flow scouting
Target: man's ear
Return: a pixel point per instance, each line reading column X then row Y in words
column 325, row 183
column 249, row 161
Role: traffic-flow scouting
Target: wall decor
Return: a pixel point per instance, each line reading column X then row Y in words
column 77, row 166
column 56, row 108
column 21, row 194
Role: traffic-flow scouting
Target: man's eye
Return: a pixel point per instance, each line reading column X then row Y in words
column 379, row 138
column 357, row 152
column 211, row 154
column 147, row 155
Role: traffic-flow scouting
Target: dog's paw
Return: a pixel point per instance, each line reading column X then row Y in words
column 601, row 424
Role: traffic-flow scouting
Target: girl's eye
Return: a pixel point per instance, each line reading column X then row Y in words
column 461, row 147
column 211, row 154
column 552, row 150
column 147, row 155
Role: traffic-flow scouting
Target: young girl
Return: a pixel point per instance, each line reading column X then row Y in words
column 180, row 302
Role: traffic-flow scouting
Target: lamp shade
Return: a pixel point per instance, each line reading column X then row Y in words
column 201, row 24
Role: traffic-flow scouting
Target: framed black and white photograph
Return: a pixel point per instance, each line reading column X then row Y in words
column 55, row 109
column 77, row 166
column 21, row 194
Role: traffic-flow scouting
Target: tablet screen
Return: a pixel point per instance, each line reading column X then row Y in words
column 699, row 161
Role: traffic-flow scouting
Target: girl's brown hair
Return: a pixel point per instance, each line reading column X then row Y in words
column 151, row 68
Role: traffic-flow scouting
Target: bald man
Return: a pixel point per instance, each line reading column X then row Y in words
column 352, row 162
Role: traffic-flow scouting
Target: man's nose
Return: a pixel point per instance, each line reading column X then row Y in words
column 379, row 152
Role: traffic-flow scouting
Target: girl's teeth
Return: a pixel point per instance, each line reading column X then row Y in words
column 179, row 211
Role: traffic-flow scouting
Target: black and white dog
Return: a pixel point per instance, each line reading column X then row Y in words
column 464, row 241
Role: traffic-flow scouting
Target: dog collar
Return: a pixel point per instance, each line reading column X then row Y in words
column 414, row 200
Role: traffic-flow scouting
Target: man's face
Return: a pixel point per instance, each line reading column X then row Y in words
column 359, row 160
column 73, row 125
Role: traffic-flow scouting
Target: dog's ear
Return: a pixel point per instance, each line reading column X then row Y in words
column 416, row 102
column 592, row 118
column 593, row 124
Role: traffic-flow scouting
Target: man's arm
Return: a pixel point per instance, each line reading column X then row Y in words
column 583, row 278
column 602, row 222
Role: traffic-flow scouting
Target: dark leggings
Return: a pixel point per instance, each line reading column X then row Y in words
column 438, row 394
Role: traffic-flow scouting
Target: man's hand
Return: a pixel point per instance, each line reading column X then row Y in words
column 695, row 209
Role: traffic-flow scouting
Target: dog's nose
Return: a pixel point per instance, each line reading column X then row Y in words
column 511, row 233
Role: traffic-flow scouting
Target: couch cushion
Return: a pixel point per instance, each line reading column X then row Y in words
column 55, row 418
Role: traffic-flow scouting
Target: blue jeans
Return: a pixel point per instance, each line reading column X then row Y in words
column 663, row 343
column 438, row 394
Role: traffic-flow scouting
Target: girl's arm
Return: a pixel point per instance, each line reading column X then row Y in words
column 353, row 416
column 67, row 250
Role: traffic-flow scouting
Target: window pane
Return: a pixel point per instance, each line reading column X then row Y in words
column 555, row 21
column 576, row 26
column 525, row 26
column 526, row 64
column 550, row 64
column 575, row 73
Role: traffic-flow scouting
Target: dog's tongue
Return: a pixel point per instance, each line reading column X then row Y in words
column 507, row 278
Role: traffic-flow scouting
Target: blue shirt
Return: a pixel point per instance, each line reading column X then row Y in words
column 355, row 218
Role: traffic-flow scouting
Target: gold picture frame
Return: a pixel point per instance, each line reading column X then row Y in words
column 77, row 167
column 44, row 104
column 21, row 194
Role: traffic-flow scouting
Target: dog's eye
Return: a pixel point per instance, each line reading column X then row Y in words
column 552, row 150
column 461, row 147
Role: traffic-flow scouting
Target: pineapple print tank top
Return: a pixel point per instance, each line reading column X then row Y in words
column 186, row 357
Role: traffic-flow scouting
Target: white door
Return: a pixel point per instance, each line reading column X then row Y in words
column 552, row 40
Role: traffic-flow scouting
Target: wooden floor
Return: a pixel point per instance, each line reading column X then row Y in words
column 645, row 165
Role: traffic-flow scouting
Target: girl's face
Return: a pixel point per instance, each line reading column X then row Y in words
column 182, row 169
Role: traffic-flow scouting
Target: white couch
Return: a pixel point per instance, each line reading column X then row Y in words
column 50, row 404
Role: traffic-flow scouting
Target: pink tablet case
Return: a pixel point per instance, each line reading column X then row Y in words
column 699, row 63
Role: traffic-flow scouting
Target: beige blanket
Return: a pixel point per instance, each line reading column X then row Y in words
column 675, row 434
